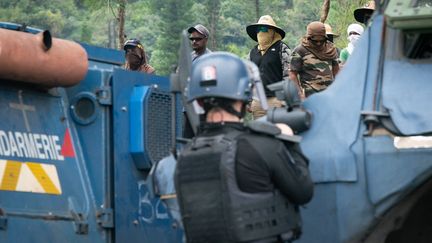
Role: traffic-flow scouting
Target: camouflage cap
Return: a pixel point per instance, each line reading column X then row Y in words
column 367, row 9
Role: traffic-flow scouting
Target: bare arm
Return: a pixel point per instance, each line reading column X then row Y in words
column 293, row 75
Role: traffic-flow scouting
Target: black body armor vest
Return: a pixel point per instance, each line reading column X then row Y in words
column 214, row 209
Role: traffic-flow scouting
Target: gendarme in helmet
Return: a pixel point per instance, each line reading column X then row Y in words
column 220, row 75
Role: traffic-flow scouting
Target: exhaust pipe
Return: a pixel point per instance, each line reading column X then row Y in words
column 41, row 59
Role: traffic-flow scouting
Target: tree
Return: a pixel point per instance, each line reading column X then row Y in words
column 121, row 21
column 158, row 23
column 175, row 17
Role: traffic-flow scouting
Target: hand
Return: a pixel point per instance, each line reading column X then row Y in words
column 302, row 95
column 285, row 129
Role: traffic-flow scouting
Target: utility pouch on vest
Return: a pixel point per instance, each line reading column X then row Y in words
column 213, row 208
column 266, row 218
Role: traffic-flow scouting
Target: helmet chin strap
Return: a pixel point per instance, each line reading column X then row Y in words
column 229, row 108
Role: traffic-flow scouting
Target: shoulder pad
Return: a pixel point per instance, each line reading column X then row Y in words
column 271, row 129
column 263, row 127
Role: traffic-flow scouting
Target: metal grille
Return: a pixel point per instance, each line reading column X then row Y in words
column 159, row 125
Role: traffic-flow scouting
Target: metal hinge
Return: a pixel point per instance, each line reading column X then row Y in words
column 3, row 220
column 80, row 222
column 105, row 218
column 104, row 95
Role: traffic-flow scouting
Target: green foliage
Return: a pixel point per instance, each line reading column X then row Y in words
column 341, row 15
column 158, row 23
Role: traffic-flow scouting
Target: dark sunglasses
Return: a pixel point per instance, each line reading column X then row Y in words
column 196, row 39
column 262, row 29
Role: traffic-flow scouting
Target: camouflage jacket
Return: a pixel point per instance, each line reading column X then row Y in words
column 314, row 73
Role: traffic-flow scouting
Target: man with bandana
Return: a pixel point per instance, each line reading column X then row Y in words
column 354, row 32
column 136, row 59
column 271, row 56
column 314, row 62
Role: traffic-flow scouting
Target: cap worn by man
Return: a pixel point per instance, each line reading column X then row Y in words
column 364, row 13
column 200, row 29
column 136, row 58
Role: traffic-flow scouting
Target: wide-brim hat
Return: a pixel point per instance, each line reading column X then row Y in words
column 368, row 8
column 265, row 20
column 329, row 30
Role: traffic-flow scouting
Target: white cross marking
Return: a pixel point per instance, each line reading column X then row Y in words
column 23, row 108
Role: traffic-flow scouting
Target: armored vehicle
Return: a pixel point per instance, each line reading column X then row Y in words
column 370, row 138
column 78, row 138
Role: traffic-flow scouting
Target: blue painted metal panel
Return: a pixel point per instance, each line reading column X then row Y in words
column 137, row 126
column 402, row 167
column 95, row 136
column 359, row 178
column 36, row 112
column 405, row 93
column 140, row 214
column 14, row 26
column 100, row 55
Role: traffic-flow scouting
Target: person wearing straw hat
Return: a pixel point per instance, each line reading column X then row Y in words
column 363, row 14
column 331, row 36
column 271, row 55
column 314, row 62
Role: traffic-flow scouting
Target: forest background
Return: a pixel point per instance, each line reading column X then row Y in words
column 159, row 23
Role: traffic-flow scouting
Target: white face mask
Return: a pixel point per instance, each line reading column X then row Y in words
column 353, row 39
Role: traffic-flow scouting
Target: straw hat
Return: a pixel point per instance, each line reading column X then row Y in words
column 329, row 30
column 368, row 8
column 265, row 20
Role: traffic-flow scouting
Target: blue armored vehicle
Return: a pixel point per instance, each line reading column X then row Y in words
column 78, row 138
column 370, row 144
column 83, row 142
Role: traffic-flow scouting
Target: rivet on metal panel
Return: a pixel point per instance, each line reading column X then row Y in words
column 124, row 109
column 104, row 96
